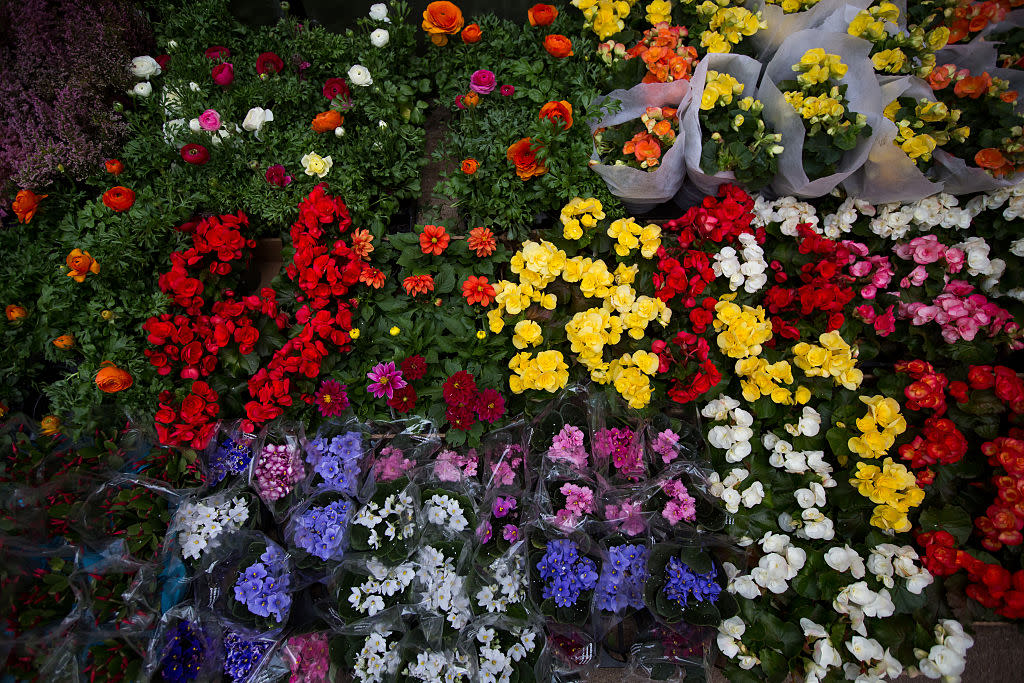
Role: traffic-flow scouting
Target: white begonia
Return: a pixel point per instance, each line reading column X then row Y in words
column 845, row 559
column 360, row 75
column 816, row 525
column 774, row 543
column 788, row 212
column 809, row 423
column 836, row 224
column 142, row 89
column 809, row 497
column 864, row 649
column 379, row 12
column 748, row 662
column 752, row 495
column 741, row 584
column 145, row 67
column 379, row 37
column 256, row 117
column 730, row 632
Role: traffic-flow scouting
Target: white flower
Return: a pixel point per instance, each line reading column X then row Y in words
column 774, row 543
column 748, row 662
column 864, row 649
column 143, row 89
column 728, row 645
column 753, row 494
column 845, row 559
column 256, row 117
column 144, row 67
column 379, row 38
column 379, row 12
column 193, row 86
column 825, row 654
column 339, row 131
column 360, row 75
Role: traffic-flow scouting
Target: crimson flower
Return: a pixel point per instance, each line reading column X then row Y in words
column 332, row 398
column 490, row 405
column 414, row 367
column 268, row 61
column 459, row 389
column 460, row 417
column 404, row 399
column 195, row 154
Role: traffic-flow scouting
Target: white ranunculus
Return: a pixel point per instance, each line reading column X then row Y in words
column 380, row 37
column 144, row 67
column 172, row 45
column 379, row 12
column 143, row 89
column 194, row 87
column 256, row 117
column 360, row 75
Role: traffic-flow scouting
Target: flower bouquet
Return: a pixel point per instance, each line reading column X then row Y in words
column 896, row 50
column 187, row 647
column 568, row 504
column 307, row 656
column 337, row 459
column 364, row 591
column 639, row 144
column 503, row 520
column 662, row 50
column 251, row 583
column 277, row 469
column 784, row 18
column 229, row 456
column 372, row 657
column 248, row 658
column 386, row 524
column 685, row 584
column 318, row 530
column 447, row 511
column 423, row 663
column 671, row 651
column 562, row 577
column 440, row 590
column 508, row 651
column 499, row 586
column 204, row 525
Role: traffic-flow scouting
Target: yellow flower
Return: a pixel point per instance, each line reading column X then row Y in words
column 494, row 320
column 659, row 11
column 931, row 111
column 937, row 38
column 919, row 146
column 354, row 333
column 316, row 164
column 394, row 331
column 626, row 275
column 480, row 334
column 579, row 214
column 889, row 61
column 714, row 42
column 527, row 333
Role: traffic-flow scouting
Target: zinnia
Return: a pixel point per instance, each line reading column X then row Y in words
column 111, row 379
column 119, row 198
column 481, row 241
column 25, row 205
column 558, row 46
column 442, row 19
column 523, row 154
column 434, row 240
column 374, row 277
column 477, row 291
column 385, row 379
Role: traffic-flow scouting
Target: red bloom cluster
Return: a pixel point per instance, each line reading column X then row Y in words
column 990, row 584
column 1007, row 387
column 191, row 423
column 928, row 390
column 940, row 442
column 1003, row 520
column 466, row 402
column 692, row 372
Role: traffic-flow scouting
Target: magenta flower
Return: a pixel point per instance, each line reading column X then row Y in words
column 384, row 380
column 482, row 82
column 483, row 532
column 223, row 74
column 458, row 102
column 332, row 398
column 508, row 90
column 276, row 175
column 209, row 120
column 503, row 506
column 510, row 532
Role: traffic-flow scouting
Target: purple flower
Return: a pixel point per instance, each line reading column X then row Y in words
column 384, row 380
column 508, row 90
column 276, row 175
column 482, row 82
column 483, row 532
column 502, row 506
column 510, row 532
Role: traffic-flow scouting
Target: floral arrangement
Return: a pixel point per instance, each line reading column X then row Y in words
column 924, row 126
column 204, row 526
column 895, row 51
column 263, row 587
column 638, row 145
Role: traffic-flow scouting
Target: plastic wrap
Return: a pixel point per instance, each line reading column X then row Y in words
column 338, row 459
column 127, row 517
column 317, row 533
column 366, row 591
column 400, row 445
column 505, row 458
column 229, row 453
column 307, row 656
column 554, row 555
column 440, row 589
column 124, row 595
column 449, row 510
column 781, row 26
column 420, row 661
column 41, row 590
column 277, row 467
column 618, row 440
column 498, row 584
column 520, row 645
column 619, row 595
column 686, row 583
column 252, row 659
column 385, row 525
column 671, row 652
column 186, row 639
column 376, row 645
column 681, row 504
column 863, row 94
column 640, row 190
column 201, row 525
column 504, row 516
column 115, row 660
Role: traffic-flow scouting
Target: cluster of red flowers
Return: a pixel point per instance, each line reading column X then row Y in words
column 692, row 372
column 193, row 421
column 972, row 17
column 990, row 584
column 466, row 402
column 325, row 269
column 1004, row 518
column 939, row 442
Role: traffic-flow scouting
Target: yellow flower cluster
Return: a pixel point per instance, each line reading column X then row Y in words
column 893, row 488
column 590, row 331
column 593, row 276
column 578, row 215
column 659, row 11
column 547, row 372
column 527, row 333
column 816, row 66
column 727, row 26
column 834, row 358
column 741, row 331
column 791, row 6
column 905, row 52
column 628, row 235
column 919, row 145
column 815, row 107
column 605, row 17
column 891, row 61
column 760, row 378
column 870, row 23
column 514, row 299
column 538, row 263
column 879, row 428
column 719, row 88
column 630, row 375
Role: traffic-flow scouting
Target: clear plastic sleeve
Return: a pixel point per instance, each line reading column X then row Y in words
column 186, row 639
column 277, row 467
column 672, row 652
column 317, row 534
column 781, row 26
column 338, row 458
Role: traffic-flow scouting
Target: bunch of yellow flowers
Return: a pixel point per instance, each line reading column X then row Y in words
column 580, row 215
column 791, row 6
column 870, row 23
column 741, row 331
column 590, row 331
column 879, row 428
column 514, row 299
column 898, row 52
column 834, row 358
column 719, row 88
column 815, row 108
column 630, row 375
column 628, row 235
column 605, row 17
column 547, row 372
column 527, row 333
column 915, row 136
column 816, row 66
column 727, row 26
column 893, row 488
column 538, row 263
column 659, row 11
column 760, row 378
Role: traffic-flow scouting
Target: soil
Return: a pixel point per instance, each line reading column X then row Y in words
column 435, row 208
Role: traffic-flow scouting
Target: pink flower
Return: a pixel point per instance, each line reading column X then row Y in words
column 223, row 74
column 458, row 102
column 677, row 510
column 915, row 278
column 885, row 324
column 866, row 313
column 868, row 291
column 955, row 260
column 209, row 120
column 482, row 82
column 860, row 269
column 631, row 522
column 508, row 90
column 578, row 499
column 510, row 532
column 391, row 464
column 958, row 288
column 384, row 380
column 217, row 52
column 490, row 405
column 276, row 175
column 922, row 250
column 665, row 445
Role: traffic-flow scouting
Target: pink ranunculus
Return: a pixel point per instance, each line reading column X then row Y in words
column 209, row 120
column 223, row 74
column 955, row 260
column 276, row 175
column 508, row 90
column 217, row 52
column 482, row 82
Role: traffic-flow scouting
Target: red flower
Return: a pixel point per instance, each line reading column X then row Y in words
column 223, row 74
column 113, row 166
column 434, row 240
column 332, row 399
column 195, row 154
column 414, row 368
column 404, row 399
column 217, row 52
column 477, row 291
column 490, row 405
column 459, row 389
column 336, row 87
column 460, row 417
column 269, row 62
column 418, row 284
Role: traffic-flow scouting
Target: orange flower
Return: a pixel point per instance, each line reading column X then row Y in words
column 645, row 148
column 973, row 86
column 81, row 264
column 49, row 425
column 990, row 158
column 418, row 284
column 434, row 239
column 64, row 341
column 442, row 19
column 371, row 276
column 111, row 379
column 113, row 166
column 362, row 243
column 481, row 241
column 26, row 202
column 119, row 198
column 1009, row 96
column 477, row 291
column 472, row 34
column 469, row 166
column 15, row 313
column 541, row 15
column 940, row 76
column 558, row 46
column 524, row 156
column 327, row 121
column 471, row 99
column 556, row 112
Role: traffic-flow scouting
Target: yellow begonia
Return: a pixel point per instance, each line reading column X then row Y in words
column 918, row 146
column 580, row 215
column 719, row 88
column 605, row 17
column 834, row 358
column 889, row 61
column 527, row 333
column 626, row 275
column 760, row 378
column 817, row 66
column 538, row 263
column 931, row 111
column 879, row 427
column 589, row 331
column 596, row 280
column 714, row 42
column 659, row 11
column 547, row 372
column 791, row 6
column 631, row 382
column 495, row 321
column 741, row 331
column 735, row 23
column 893, row 488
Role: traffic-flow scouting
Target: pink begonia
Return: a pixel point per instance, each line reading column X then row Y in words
column 955, row 260
column 567, row 446
column 885, row 324
column 391, row 464
column 958, row 287
column 628, row 515
column 860, row 268
column 960, row 313
column 855, row 248
column 665, row 445
column 868, row 291
column 921, row 250
column 866, row 312
column 915, row 278
column 209, row 120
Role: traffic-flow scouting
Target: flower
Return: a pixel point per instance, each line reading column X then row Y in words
column 523, row 154
column 223, row 74
column 256, row 117
column 508, row 90
column 360, row 75
column 472, row 34
column 482, row 82
column 362, row 243
column 394, row 331
column 327, row 121
column 373, row 277
column 210, row 120
column 143, row 89
column 542, row 15
column 316, row 164
column 385, row 379
column 379, row 12
column 478, row 291
column 459, row 389
column 379, row 37
column 336, row 87
column 434, row 240
column 15, row 312
column 490, row 406
column 64, row 341
column 404, row 399
column 469, row 166
column 418, row 284
column 471, row 99
column 113, row 166
column 25, row 205
column 481, row 242
column 558, row 113
column 440, row 20
column 268, row 62
column 49, row 425
column 558, row 46
column 111, row 379
column 276, row 175
column 332, row 398
column 144, row 67
column 81, row 263
column 217, row 52
column 119, row 198
column 195, row 154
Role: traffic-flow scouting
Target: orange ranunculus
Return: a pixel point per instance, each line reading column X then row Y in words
column 990, row 158
column 558, row 112
column 64, row 341
column 472, row 34
column 371, row 276
column 434, row 239
column 113, row 166
column 81, row 263
column 26, row 202
column 442, row 19
column 418, row 284
column 541, row 15
column 111, row 379
column 558, row 46
column 940, row 76
column 15, row 312
column 973, row 86
column 478, row 291
column 481, row 242
column 523, row 154
column 645, row 148
column 119, row 198
column 49, row 425
column 327, row 121
column 471, row 99
column 469, row 166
